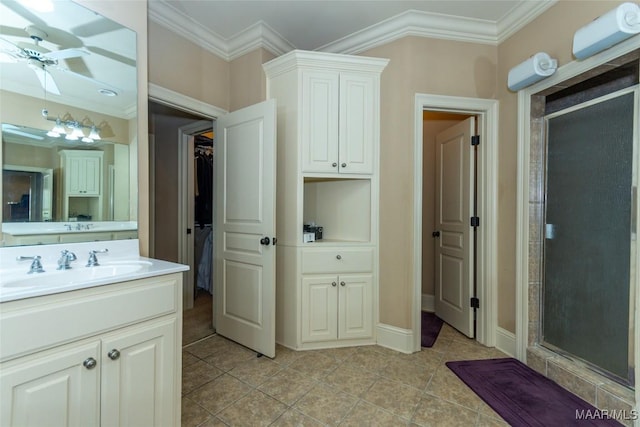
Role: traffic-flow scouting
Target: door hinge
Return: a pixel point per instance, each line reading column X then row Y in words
column 475, row 140
column 188, row 231
column 475, row 302
column 475, row 221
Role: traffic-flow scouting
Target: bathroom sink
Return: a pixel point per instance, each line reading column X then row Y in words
column 106, row 270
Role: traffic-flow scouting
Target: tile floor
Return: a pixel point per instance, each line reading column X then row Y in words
column 226, row 384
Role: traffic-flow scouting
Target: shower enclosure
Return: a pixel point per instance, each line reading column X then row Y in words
column 590, row 232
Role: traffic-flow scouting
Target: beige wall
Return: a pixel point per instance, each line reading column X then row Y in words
column 552, row 32
column 418, row 65
column 179, row 65
column 247, row 82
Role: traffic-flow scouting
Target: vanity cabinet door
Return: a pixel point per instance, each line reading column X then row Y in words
column 319, row 308
column 59, row 388
column 355, row 317
column 139, row 382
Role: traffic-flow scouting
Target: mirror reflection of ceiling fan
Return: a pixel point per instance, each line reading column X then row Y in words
column 40, row 59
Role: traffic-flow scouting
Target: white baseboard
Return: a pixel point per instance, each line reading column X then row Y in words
column 395, row 338
column 506, row 341
column 428, row 303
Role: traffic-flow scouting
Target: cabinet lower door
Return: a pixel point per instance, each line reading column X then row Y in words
column 55, row 389
column 319, row 308
column 355, row 317
column 138, row 376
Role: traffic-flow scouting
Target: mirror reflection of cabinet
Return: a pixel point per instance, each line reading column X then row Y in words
column 82, row 184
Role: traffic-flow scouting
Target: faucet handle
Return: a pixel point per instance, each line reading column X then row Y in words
column 36, row 265
column 93, row 259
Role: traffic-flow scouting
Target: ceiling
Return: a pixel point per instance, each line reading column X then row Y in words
column 108, row 57
column 231, row 28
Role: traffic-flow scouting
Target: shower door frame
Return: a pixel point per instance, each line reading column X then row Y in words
column 633, row 248
column 528, row 214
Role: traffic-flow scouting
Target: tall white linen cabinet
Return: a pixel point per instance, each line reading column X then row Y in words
column 328, row 109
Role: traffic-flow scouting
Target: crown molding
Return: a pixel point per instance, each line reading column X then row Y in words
column 520, row 16
column 415, row 23
column 410, row 23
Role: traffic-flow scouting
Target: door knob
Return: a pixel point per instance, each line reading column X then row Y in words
column 114, row 354
column 90, row 363
column 265, row 241
column 334, row 164
column 342, row 284
column 334, row 284
column 436, row 234
column 344, row 165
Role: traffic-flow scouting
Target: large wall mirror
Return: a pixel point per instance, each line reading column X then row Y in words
column 68, row 108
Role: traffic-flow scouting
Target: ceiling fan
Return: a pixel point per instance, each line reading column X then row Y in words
column 39, row 58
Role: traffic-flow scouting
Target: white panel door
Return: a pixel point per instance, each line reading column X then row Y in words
column 54, row 390
column 138, row 385
column 357, row 123
column 245, row 227
column 454, row 248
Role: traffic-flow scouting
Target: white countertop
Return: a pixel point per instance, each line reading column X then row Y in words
column 29, row 228
column 54, row 281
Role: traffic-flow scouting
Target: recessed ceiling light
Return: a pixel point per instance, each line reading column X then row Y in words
column 107, row 92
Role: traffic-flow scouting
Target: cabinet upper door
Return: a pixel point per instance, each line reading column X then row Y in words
column 319, row 121
column 358, row 122
column 83, row 175
column 58, row 389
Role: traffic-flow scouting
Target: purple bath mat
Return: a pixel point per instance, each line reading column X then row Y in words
column 524, row 397
column 430, row 327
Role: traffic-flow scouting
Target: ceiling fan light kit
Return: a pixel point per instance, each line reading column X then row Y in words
column 72, row 129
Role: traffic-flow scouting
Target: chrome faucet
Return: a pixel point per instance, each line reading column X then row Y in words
column 36, row 265
column 93, row 260
column 65, row 259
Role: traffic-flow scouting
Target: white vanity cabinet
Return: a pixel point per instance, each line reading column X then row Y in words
column 108, row 355
column 337, row 123
column 328, row 174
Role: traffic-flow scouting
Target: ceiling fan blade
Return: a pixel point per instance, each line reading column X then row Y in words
column 66, row 53
column 10, row 48
column 94, row 28
column 46, row 80
column 111, row 55
column 98, row 83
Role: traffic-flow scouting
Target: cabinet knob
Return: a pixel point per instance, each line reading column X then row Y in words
column 90, row 363
column 338, row 256
column 342, row 284
column 344, row 165
column 114, row 354
column 334, row 284
column 334, row 164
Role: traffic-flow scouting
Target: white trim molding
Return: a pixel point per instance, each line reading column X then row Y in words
column 487, row 112
column 171, row 98
column 395, row 338
column 409, row 23
column 506, row 341
column 428, row 303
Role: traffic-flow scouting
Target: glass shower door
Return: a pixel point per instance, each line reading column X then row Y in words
column 589, row 233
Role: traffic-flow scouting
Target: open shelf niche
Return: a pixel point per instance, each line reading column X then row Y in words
column 341, row 206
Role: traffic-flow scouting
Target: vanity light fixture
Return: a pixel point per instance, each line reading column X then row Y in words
column 531, row 71
column 611, row 28
column 72, row 129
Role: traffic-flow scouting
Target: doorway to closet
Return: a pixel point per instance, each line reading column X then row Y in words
column 181, row 172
